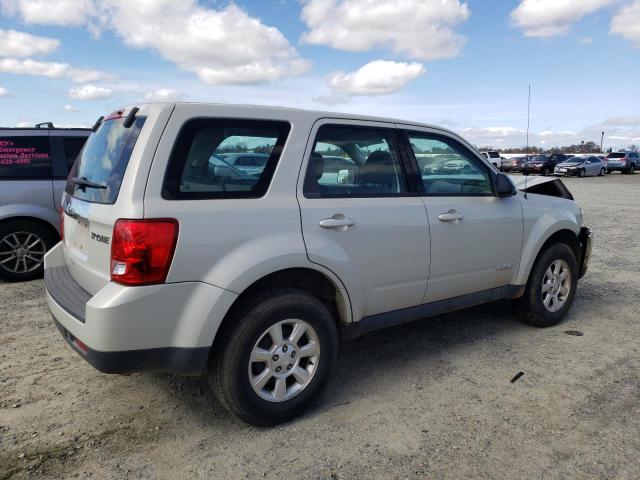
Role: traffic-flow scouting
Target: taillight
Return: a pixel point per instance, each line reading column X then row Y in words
column 142, row 250
column 62, row 224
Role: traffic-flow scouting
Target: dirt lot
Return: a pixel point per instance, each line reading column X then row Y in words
column 432, row 399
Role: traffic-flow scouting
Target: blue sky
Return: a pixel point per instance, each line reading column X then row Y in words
column 463, row 65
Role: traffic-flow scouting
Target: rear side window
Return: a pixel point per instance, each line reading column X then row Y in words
column 104, row 160
column 25, row 157
column 224, row 158
column 72, row 147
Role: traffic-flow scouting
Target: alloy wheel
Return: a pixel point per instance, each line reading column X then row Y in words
column 22, row 252
column 556, row 285
column 284, row 360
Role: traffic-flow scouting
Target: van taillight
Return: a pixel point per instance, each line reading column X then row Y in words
column 62, row 224
column 142, row 250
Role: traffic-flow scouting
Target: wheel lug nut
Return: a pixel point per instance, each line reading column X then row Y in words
column 289, row 367
column 278, row 369
column 275, row 358
column 293, row 354
column 285, row 348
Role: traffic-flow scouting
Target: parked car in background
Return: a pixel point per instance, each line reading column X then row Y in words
column 254, row 281
column 624, row 162
column 34, row 163
column 494, row 158
column 545, row 164
column 581, row 167
column 514, row 164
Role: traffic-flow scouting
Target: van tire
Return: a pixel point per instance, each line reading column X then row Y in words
column 531, row 306
column 22, row 229
column 229, row 364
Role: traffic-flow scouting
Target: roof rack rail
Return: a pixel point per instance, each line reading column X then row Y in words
column 45, row 125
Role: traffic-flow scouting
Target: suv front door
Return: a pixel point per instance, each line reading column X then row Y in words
column 364, row 223
column 476, row 236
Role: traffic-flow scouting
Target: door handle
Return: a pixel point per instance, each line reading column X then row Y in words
column 452, row 216
column 337, row 222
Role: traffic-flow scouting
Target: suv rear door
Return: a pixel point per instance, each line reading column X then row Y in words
column 365, row 223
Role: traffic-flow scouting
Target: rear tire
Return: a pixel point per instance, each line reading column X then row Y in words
column 632, row 170
column 23, row 244
column 551, row 288
column 546, row 172
column 248, row 353
column 602, row 172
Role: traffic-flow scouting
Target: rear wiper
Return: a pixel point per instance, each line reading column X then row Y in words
column 83, row 183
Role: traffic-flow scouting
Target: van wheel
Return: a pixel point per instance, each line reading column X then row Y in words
column 551, row 287
column 275, row 358
column 23, row 244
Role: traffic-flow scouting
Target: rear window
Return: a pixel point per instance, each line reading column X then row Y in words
column 616, row 155
column 494, row 155
column 72, row 147
column 104, row 160
column 212, row 158
column 25, row 157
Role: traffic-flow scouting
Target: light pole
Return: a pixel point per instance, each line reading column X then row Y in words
column 601, row 141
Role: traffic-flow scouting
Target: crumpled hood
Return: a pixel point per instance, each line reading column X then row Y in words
column 530, row 181
column 569, row 164
column 551, row 186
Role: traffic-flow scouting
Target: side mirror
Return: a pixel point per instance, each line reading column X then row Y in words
column 504, row 186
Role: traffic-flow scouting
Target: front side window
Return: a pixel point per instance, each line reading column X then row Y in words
column 448, row 169
column 354, row 161
column 217, row 158
column 25, row 157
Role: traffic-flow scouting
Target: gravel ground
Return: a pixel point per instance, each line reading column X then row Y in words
column 431, row 399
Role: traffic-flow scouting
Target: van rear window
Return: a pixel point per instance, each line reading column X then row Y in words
column 25, row 157
column 103, row 161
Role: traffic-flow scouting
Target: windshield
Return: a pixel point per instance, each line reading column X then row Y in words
column 540, row 158
column 104, row 160
column 574, row 160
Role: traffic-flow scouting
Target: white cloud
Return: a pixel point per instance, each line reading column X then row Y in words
column 163, row 95
column 29, row 66
column 47, row 12
column 70, row 109
column 620, row 132
column 418, row 29
column 4, row 92
column 548, row 18
column 379, row 77
column 221, row 46
column 332, row 100
column 89, row 92
column 626, row 22
column 585, row 40
column 21, row 44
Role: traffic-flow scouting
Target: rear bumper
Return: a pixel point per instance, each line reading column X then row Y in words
column 586, row 243
column 165, row 328
column 183, row 361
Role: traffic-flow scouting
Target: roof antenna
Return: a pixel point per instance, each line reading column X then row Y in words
column 526, row 163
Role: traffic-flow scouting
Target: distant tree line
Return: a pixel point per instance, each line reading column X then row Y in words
column 583, row 147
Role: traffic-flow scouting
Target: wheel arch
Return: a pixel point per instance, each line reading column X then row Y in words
column 564, row 235
column 27, row 218
column 320, row 284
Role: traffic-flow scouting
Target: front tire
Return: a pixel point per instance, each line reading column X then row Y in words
column 23, row 244
column 631, row 170
column 582, row 173
column 546, row 172
column 274, row 360
column 602, row 172
column 551, row 288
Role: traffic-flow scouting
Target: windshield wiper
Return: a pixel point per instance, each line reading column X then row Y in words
column 83, row 183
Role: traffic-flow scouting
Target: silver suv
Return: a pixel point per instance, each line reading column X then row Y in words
column 34, row 163
column 252, row 276
column 624, row 162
